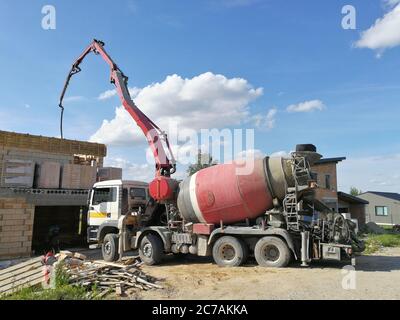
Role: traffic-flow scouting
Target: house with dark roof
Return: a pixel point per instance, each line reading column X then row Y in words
column 325, row 173
column 354, row 207
column 383, row 207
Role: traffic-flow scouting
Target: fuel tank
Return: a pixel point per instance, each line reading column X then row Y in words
column 233, row 193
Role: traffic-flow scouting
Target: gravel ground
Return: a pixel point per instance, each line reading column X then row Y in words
column 377, row 276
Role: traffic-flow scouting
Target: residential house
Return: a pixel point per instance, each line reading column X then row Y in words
column 383, row 207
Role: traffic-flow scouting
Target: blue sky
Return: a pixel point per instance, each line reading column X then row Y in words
column 296, row 51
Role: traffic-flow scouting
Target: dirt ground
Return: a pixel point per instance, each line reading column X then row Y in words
column 377, row 276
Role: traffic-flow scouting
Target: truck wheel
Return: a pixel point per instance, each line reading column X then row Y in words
column 109, row 248
column 229, row 251
column 272, row 252
column 151, row 249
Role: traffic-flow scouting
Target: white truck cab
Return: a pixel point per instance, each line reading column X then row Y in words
column 108, row 201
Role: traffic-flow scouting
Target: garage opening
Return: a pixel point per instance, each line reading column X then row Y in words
column 58, row 227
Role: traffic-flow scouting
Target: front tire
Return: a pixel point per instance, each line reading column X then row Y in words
column 272, row 252
column 230, row 251
column 151, row 249
column 109, row 248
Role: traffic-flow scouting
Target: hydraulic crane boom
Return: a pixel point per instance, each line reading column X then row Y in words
column 165, row 165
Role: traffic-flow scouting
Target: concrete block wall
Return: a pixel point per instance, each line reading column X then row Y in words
column 16, row 227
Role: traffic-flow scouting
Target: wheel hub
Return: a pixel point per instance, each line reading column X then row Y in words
column 271, row 253
column 227, row 252
column 107, row 247
column 148, row 250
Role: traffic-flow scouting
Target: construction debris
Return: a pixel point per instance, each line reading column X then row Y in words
column 123, row 279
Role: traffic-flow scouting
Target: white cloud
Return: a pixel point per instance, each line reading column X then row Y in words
column 111, row 93
column 73, row 99
column 270, row 121
column 107, row 94
column 306, row 106
column 251, row 153
column 135, row 171
column 266, row 121
column 384, row 33
column 282, row 154
column 130, row 170
column 373, row 173
column 205, row 101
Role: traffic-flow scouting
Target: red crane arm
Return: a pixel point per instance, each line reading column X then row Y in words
column 155, row 137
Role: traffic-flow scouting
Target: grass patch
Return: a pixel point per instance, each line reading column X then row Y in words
column 66, row 292
column 374, row 242
column 62, row 290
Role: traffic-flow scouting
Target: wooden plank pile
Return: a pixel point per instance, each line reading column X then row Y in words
column 20, row 276
column 123, row 279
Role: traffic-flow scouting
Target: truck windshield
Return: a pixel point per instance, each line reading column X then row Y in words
column 138, row 193
column 102, row 195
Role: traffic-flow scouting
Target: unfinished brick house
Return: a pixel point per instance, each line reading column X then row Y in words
column 44, row 185
column 325, row 171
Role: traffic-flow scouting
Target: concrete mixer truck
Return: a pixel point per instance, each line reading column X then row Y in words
column 269, row 212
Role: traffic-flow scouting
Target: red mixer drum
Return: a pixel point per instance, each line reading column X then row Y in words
column 225, row 192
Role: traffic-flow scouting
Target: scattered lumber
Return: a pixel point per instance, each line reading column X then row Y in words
column 111, row 277
column 124, row 278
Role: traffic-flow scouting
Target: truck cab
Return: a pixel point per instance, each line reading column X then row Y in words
column 108, row 201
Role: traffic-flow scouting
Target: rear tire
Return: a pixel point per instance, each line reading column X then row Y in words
column 151, row 249
column 229, row 251
column 272, row 252
column 109, row 247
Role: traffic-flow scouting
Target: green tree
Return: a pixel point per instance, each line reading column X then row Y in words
column 204, row 160
column 355, row 192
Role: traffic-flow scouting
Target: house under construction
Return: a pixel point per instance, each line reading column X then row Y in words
column 44, row 185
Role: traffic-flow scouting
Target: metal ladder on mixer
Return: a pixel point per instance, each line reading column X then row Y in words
column 301, row 175
column 290, row 207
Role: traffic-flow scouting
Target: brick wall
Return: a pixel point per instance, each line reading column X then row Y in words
column 322, row 193
column 16, row 227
